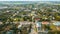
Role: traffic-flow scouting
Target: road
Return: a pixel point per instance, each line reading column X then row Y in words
column 33, row 30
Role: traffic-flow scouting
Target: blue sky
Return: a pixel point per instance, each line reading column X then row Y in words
column 29, row 0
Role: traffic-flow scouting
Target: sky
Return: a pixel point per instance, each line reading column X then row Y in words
column 29, row 0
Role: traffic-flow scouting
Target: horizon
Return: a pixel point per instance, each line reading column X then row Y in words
column 29, row 0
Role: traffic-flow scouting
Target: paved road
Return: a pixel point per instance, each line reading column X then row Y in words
column 33, row 30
